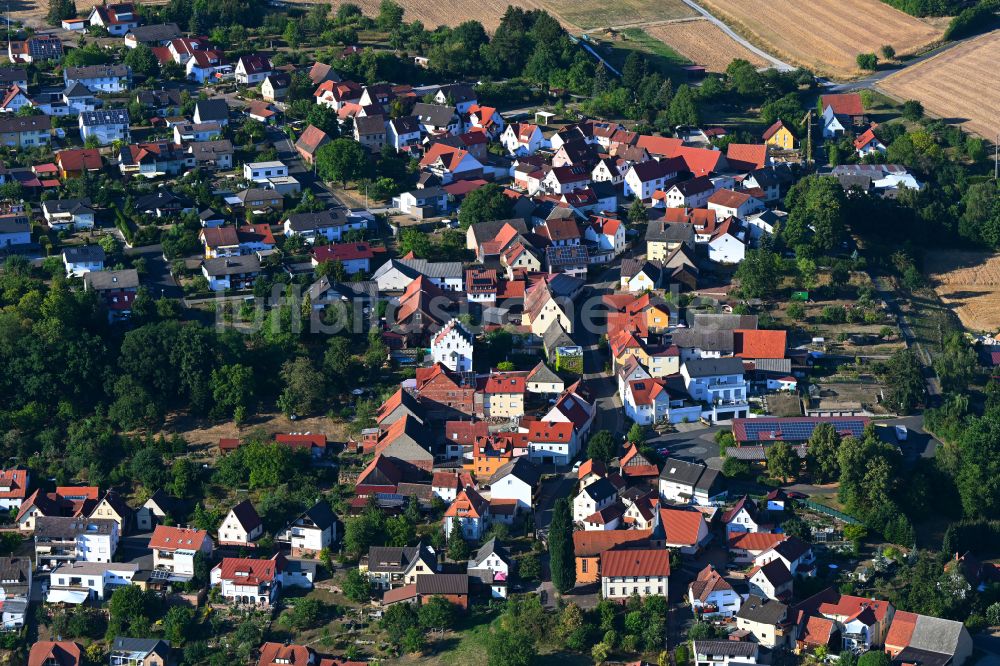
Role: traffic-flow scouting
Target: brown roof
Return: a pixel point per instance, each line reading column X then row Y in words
column 729, row 198
column 63, row 653
column 681, row 526
column 845, row 104
column 272, row 654
column 636, row 562
column 589, row 544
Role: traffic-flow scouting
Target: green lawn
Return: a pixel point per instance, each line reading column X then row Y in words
column 660, row 56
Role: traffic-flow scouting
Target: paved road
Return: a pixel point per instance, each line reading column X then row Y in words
column 300, row 171
column 872, row 80
column 779, row 65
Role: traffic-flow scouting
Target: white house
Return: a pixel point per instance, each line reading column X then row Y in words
column 248, row 581
column 771, row 581
column 330, row 224
column 117, row 19
column 105, row 125
column 470, row 512
column 522, row 139
column 684, row 482
column 516, row 480
column 263, row 172
column 422, row 203
column 592, row 498
column 647, row 401
column 231, row 272
column 728, row 244
column 796, row 554
column 100, row 78
column 79, row 582
column 241, row 526
column 174, row 549
column 718, row 382
column 743, row 517
column 645, row 178
column 252, row 69
column 711, row 595
column 15, row 229
column 641, row 571
column 80, row 259
column 728, row 203
column 62, row 214
column 403, row 132
column 867, row 143
column 608, row 233
column 452, row 347
column 692, row 193
column 59, row 539
column 493, row 565
column 312, row 531
column 725, row 653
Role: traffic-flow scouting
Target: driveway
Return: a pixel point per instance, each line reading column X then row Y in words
column 158, row 279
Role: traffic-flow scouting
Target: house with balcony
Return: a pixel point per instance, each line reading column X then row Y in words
column 249, row 582
column 719, row 384
column 312, row 531
column 391, row 567
column 64, row 214
column 100, row 78
column 140, row 652
column 175, row 548
column 82, row 582
column 711, row 595
column 60, row 539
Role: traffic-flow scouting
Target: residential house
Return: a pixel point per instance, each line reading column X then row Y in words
column 15, row 578
column 330, row 224
column 252, row 69
column 116, row 290
column 684, row 482
column 459, row 95
column 13, row 488
column 436, row 119
column 796, row 554
column 403, row 133
column 452, row 587
column 923, row 639
column 311, row 140
column 36, row 48
column 25, row 131
column 522, row 139
column 185, row 133
column 354, row 257
column 118, row 19
column 275, row 86
column 867, row 143
column 452, row 347
column 80, row 259
column 64, row 539
column 470, row 512
column 719, row 383
column 711, row 595
column 663, row 238
column 155, row 510
column 517, row 480
column 206, row 65
column 251, row 582
column 175, row 549
column 779, row 136
column 83, row 582
column 766, row 621
column 337, row 95
column 165, row 102
column 643, row 179
column 682, row 528
column 743, row 157
column 743, row 517
column 592, row 498
column 313, row 531
column 100, row 78
column 399, row 274
column 589, row 548
column 862, row 622
column 370, row 132
column 725, row 653
column 422, row 203
column 693, row 193
column 493, row 566
column 449, row 163
column 14, row 99
column 15, row 230
column 56, row 653
column 771, row 581
column 730, row 203
column 608, row 234
column 160, row 34
column 105, row 125
column 642, row 571
column 140, row 652
column 541, row 379
column 392, row 567
column 74, row 163
column 211, row 111
column 241, row 526
column 841, row 113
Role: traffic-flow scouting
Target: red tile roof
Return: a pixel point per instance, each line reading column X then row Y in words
column 177, row 538
column 249, row 571
column 846, row 104
column 747, row 155
column 818, row 630
column 681, row 526
column 468, row 504
column 903, row 624
column 273, row 654
column 14, row 483
column 550, row 431
column 62, row 653
column 636, row 562
column 589, row 544
column 748, row 343
column 755, row 541
column 343, row 252
column 646, row 391
column 772, row 130
column 86, row 492
column 302, row 441
column 465, row 432
column 729, row 198
column 660, row 145
column 591, row 466
column 506, row 382
column 866, row 137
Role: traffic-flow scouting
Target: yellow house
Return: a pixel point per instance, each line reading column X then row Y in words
column 657, row 318
column 779, row 136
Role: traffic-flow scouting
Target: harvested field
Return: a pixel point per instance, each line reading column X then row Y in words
column 32, row 12
column 959, row 85
column 823, row 35
column 969, row 283
column 590, row 14
column 703, row 43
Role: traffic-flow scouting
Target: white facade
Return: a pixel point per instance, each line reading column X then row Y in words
column 263, row 172
column 518, row 139
column 452, row 347
column 726, row 249
column 104, row 133
column 97, row 581
column 620, row 588
column 515, row 488
column 584, row 505
column 727, row 602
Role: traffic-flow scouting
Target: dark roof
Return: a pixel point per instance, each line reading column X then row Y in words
column 681, row 471
column 12, row 74
column 520, row 467
column 791, row 548
column 433, row 114
column 725, row 648
column 127, row 278
column 460, row 92
column 321, row 514
column 365, row 125
column 405, row 125
column 97, row 72
column 443, row 584
column 765, row 611
column 912, row 655
column 661, row 231
column 10, row 122
column 160, row 32
column 142, row 645
column 600, row 489
column 707, row 367
column 14, row 569
column 246, row 515
column 60, row 527
column 105, row 117
column 318, row 220
column 776, row 572
column 246, row 263
column 79, row 253
column 487, row 549
column 212, row 109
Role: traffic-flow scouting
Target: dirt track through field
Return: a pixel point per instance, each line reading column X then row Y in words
column 961, row 84
column 824, row 35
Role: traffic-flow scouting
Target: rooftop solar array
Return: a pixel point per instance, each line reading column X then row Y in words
column 796, row 429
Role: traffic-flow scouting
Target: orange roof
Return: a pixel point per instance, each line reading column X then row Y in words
column 749, row 343
column 272, row 654
column 636, row 562
column 589, row 544
column 449, row 155
column 550, row 431
column 591, row 466
column 755, row 541
column 16, row 482
column 681, row 526
column 248, row 571
column 817, row 631
column 747, row 155
column 177, row 538
column 87, row 492
column 63, row 653
column 465, row 432
column 660, row 145
column 700, row 161
column 903, row 624
column 300, row 441
column 506, row 382
column 729, row 198
column 646, row 391
column 846, row 104
column 468, row 504
column 866, row 137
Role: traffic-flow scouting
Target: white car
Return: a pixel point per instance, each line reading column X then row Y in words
column 902, row 433
column 576, row 466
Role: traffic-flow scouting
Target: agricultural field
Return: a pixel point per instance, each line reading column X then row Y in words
column 826, row 36
column 959, row 84
column 969, row 283
column 433, row 13
column 703, row 43
column 591, row 14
